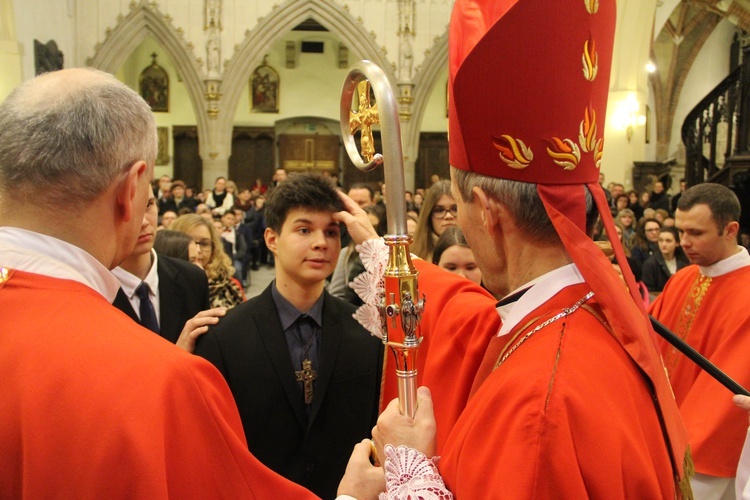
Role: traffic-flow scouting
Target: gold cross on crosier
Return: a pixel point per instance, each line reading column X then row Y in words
column 364, row 118
column 307, row 375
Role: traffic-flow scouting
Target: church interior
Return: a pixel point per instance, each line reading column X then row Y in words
column 241, row 88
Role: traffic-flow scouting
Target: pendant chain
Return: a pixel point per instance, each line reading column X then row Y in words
column 562, row 314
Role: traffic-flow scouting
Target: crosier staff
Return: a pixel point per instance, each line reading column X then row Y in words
column 401, row 307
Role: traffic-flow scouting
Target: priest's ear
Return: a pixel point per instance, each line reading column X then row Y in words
column 731, row 230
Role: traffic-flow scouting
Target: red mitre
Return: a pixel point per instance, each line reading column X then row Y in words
column 528, row 89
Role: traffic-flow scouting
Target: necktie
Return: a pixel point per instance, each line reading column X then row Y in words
column 148, row 315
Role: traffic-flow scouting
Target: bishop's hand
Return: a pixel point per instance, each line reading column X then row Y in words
column 417, row 433
column 357, row 222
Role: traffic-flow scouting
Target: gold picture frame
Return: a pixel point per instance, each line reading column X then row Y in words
column 264, row 89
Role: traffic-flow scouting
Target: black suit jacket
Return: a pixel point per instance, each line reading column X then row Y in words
column 183, row 293
column 248, row 346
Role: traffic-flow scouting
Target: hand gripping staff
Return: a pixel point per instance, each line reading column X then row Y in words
column 401, row 307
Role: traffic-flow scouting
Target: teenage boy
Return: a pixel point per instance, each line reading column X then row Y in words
column 304, row 374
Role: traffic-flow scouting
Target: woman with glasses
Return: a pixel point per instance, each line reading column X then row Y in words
column 223, row 289
column 438, row 213
column 646, row 240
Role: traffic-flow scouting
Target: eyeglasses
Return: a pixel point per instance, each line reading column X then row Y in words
column 204, row 244
column 440, row 212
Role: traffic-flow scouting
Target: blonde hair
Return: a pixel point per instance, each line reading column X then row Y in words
column 219, row 266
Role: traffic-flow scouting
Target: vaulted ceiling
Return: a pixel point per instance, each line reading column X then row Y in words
column 674, row 51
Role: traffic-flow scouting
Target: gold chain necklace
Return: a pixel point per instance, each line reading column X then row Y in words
column 561, row 314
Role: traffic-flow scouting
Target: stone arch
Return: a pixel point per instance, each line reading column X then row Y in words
column 142, row 21
column 269, row 29
column 427, row 76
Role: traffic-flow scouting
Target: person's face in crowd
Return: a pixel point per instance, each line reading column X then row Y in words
column 622, row 202
column 168, row 218
column 202, row 237
column 434, row 178
column 307, row 247
column 645, row 198
column 374, row 219
column 218, row 225
column 618, row 230
column 683, row 186
column 651, row 229
column 228, row 220
column 260, row 202
column 204, row 212
column 668, row 222
column 626, row 220
column 649, row 213
column 601, row 178
column 194, row 254
column 230, row 189
column 444, row 214
column 633, row 198
column 178, row 192
column 658, row 187
column 617, row 190
column 460, row 260
column 165, row 182
column 418, row 199
column 279, row 175
column 667, row 244
column 407, row 196
column 411, row 225
column 220, row 185
column 658, row 216
column 703, row 241
column 189, row 193
column 244, row 195
column 361, row 196
column 148, row 228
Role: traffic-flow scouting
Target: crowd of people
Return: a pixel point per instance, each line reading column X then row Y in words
column 134, row 366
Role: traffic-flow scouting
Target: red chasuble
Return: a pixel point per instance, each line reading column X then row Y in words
column 459, row 320
column 713, row 316
column 568, row 414
column 95, row 406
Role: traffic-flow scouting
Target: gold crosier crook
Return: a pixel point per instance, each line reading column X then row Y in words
column 401, row 308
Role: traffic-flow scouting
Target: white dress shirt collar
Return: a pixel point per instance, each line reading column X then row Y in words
column 41, row 254
column 130, row 282
column 539, row 291
column 736, row 261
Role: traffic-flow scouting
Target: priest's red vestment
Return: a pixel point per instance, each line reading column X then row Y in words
column 95, row 406
column 713, row 316
column 568, row 414
column 458, row 322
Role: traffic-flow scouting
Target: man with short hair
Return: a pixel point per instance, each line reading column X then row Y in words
column 94, row 405
column 161, row 293
column 305, row 375
column 177, row 199
column 701, row 304
column 569, row 398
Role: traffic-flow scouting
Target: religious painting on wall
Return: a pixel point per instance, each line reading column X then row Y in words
column 154, row 86
column 162, row 156
column 264, row 89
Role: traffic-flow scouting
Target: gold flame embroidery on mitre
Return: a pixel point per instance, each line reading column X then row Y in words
column 592, row 6
column 513, row 151
column 587, row 130
column 564, row 152
column 598, row 151
column 590, row 59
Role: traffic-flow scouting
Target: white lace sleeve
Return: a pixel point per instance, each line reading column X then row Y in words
column 370, row 286
column 410, row 474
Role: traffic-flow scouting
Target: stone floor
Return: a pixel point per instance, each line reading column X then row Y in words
column 259, row 280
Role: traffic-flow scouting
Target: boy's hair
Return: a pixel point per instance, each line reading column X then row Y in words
column 307, row 191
